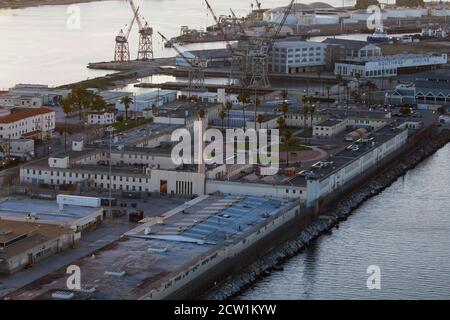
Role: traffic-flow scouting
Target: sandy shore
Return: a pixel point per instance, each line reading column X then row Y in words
column 16, row 4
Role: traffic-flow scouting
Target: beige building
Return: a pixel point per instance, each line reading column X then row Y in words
column 23, row 244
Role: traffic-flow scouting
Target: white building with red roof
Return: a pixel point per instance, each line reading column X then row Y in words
column 29, row 123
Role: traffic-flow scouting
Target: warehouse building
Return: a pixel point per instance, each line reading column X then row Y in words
column 23, row 244
column 77, row 213
column 389, row 66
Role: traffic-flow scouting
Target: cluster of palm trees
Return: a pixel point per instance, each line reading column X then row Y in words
column 364, row 89
column 308, row 108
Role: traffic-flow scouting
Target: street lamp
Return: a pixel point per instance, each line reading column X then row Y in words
column 111, row 133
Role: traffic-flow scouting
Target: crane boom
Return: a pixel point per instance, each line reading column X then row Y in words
column 283, row 21
column 177, row 50
column 239, row 24
column 139, row 22
column 136, row 13
column 222, row 31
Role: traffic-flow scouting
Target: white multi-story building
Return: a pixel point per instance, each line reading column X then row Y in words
column 100, row 118
column 38, row 122
column 11, row 99
column 388, row 66
column 297, row 56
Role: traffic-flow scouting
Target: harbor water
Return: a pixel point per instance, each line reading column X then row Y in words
column 405, row 231
column 39, row 46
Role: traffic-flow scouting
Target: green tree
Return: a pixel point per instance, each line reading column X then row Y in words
column 222, row 115
column 284, row 107
column 364, row 4
column 284, row 94
column 98, row 103
column 229, row 107
column 78, row 100
column 260, row 120
column 281, row 123
column 406, row 111
column 256, row 103
column 410, row 3
column 126, row 101
column 312, row 111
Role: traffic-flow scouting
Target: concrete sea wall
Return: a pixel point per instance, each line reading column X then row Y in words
column 335, row 211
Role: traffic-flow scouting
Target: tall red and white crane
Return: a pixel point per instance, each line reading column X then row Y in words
column 145, row 50
column 122, row 49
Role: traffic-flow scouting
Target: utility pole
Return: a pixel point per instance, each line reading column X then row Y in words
column 111, row 133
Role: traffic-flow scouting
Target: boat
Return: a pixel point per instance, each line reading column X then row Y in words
column 379, row 36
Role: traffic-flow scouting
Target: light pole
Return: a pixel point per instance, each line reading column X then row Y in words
column 111, row 133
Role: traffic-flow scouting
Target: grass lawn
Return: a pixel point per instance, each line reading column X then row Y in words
column 294, row 148
column 130, row 124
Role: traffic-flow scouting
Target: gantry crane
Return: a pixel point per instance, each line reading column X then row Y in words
column 145, row 51
column 122, row 50
column 239, row 23
column 259, row 53
column 239, row 63
column 195, row 70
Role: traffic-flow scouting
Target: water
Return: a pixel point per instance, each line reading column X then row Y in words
column 405, row 231
column 37, row 46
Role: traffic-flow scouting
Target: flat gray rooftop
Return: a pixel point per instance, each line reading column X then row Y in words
column 190, row 232
column 44, row 210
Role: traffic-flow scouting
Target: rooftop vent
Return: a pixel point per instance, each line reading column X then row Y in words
column 63, row 295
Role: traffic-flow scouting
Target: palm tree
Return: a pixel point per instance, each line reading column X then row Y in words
column 243, row 99
column 305, row 111
column 312, row 110
column 126, row 101
column 284, row 107
column 228, row 106
column 260, row 120
column 339, row 82
column 284, row 94
column 346, row 88
column 328, row 88
column 281, row 123
column 201, row 113
column 287, row 134
column 222, row 115
column 319, row 73
column 256, row 102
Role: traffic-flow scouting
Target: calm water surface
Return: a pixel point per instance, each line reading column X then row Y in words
column 405, row 231
column 37, row 46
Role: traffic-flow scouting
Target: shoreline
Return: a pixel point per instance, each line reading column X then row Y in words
column 327, row 221
column 22, row 4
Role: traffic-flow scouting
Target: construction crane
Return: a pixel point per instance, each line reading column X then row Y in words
column 239, row 23
column 259, row 54
column 239, row 57
column 145, row 51
column 195, row 70
column 122, row 50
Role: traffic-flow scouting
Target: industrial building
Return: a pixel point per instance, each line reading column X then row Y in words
column 77, row 213
column 389, row 66
column 152, row 99
column 157, row 259
column 431, row 90
column 212, row 58
column 297, row 56
column 25, row 243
